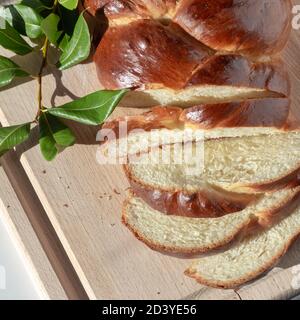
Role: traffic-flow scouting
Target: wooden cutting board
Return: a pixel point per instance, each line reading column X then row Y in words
column 83, row 199
column 27, row 244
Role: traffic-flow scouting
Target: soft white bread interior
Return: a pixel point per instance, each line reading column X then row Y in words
column 166, row 125
column 250, row 257
column 137, row 142
column 248, row 164
column 198, row 235
column 194, row 95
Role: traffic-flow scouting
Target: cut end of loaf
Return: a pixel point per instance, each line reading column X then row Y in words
column 253, row 255
column 234, row 280
column 249, row 164
column 218, row 284
column 169, row 125
column 207, row 94
column 189, row 235
column 144, row 141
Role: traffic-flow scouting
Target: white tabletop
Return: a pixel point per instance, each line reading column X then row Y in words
column 15, row 280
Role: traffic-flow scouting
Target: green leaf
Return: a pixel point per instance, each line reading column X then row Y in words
column 48, row 3
column 13, row 135
column 69, row 4
column 46, row 140
column 11, row 40
column 92, row 109
column 50, row 27
column 68, row 19
column 53, row 134
column 63, row 43
column 25, row 20
column 37, row 5
column 78, row 48
column 11, row 15
column 9, row 70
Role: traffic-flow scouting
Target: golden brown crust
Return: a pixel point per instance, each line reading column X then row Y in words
column 206, row 203
column 146, row 49
column 251, row 26
column 251, row 113
column 235, row 70
column 255, row 27
column 145, row 52
column 134, row 8
column 156, row 118
column 92, row 6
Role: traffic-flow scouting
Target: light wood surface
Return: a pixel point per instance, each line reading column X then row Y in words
column 28, row 244
column 44, row 231
column 82, row 201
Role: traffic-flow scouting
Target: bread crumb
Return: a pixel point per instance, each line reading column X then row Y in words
column 105, row 195
column 116, row 192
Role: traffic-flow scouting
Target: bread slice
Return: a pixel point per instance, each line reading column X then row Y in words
column 167, row 125
column 222, row 78
column 191, row 96
column 190, row 235
column 250, row 257
column 247, row 165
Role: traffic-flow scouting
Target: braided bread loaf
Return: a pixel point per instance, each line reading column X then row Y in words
column 167, row 46
column 211, row 55
column 219, row 60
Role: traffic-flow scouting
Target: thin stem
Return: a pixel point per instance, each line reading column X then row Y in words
column 39, row 77
column 44, row 50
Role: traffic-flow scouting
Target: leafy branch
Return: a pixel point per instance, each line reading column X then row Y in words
column 54, row 23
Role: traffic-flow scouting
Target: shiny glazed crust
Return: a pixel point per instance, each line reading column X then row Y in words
column 166, row 43
column 206, row 203
column 147, row 54
column 246, row 26
column 237, row 26
column 251, row 113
